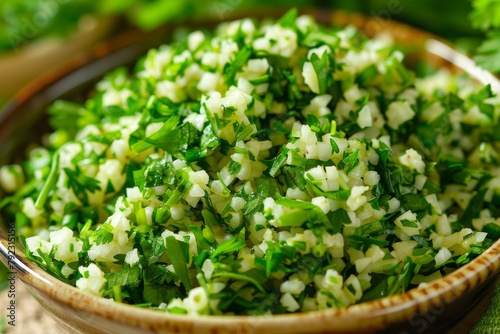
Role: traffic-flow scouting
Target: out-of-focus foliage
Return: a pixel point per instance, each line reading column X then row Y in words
column 22, row 21
column 488, row 53
column 486, row 14
column 486, row 17
column 4, row 273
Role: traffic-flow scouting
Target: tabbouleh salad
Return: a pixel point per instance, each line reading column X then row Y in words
column 262, row 168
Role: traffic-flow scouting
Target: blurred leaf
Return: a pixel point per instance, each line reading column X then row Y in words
column 4, row 273
column 153, row 14
column 488, row 53
column 490, row 321
column 115, row 6
column 22, row 21
column 485, row 14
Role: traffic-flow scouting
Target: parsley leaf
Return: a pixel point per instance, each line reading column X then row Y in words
column 235, row 66
column 350, row 161
column 488, row 53
column 80, row 184
column 479, row 98
column 474, row 208
column 126, row 276
column 152, row 249
column 179, row 260
column 50, row 182
column 103, row 235
column 288, row 20
column 230, row 245
column 322, row 70
column 485, row 14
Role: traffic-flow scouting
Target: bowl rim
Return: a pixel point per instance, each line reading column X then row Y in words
column 378, row 313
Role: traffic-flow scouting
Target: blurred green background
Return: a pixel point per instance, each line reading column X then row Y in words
column 448, row 18
column 470, row 24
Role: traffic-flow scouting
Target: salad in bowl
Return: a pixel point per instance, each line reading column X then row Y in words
column 262, row 168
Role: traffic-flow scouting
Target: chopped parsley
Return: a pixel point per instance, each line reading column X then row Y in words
column 270, row 167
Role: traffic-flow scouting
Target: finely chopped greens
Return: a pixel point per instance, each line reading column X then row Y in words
column 262, row 168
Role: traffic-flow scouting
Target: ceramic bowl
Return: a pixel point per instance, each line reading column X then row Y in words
column 431, row 308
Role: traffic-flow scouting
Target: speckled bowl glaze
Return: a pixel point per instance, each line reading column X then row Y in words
column 419, row 310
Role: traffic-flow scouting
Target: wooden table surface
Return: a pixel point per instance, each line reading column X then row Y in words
column 32, row 319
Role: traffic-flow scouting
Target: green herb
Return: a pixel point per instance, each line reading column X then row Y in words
column 49, row 183
column 473, row 209
column 128, row 276
column 350, row 161
column 176, row 254
column 230, row 245
column 321, row 67
column 80, row 184
column 216, row 166
column 103, row 235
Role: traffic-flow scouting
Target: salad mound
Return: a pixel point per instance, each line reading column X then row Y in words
column 262, row 168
